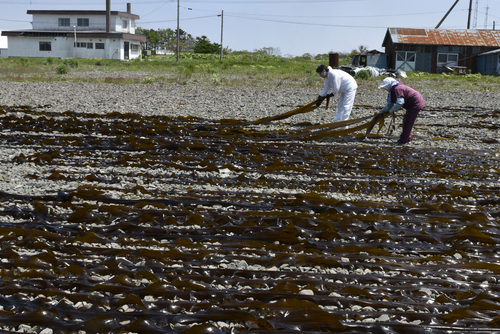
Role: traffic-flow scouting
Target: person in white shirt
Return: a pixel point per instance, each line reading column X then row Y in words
column 341, row 83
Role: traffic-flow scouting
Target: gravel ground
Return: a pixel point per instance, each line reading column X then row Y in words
column 205, row 100
column 152, row 221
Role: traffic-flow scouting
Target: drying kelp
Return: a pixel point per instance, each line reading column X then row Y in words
column 127, row 223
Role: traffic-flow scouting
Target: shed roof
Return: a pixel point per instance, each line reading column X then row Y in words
column 453, row 37
column 368, row 52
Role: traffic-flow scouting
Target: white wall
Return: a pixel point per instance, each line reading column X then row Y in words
column 4, row 51
column 96, row 22
column 30, row 47
column 117, row 24
column 51, row 22
column 62, row 47
column 4, row 42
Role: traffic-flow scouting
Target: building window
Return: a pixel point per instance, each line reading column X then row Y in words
column 99, row 46
column 81, row 44
column 90, row 45
column 83, row 22
column 124, row 24
column 447, row 59
column 45, row 46
column 63, row 22
column 135, row 47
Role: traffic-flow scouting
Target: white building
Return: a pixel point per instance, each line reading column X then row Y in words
column 78, row 34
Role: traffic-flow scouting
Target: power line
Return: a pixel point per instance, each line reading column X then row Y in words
column 262, row 17
column 309, row 24
column 71, row 3
column 186, row 19
column 14, row 20
column 340, row 16
column 392, row 14
column 273, row 1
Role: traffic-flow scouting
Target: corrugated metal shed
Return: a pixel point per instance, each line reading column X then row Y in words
column 444, row 37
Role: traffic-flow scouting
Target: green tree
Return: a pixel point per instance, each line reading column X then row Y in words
column 203, row 45
column 168, row 39
column 269, row 51
column 153, row 38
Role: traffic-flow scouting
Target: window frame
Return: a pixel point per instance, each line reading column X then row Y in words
column 82, row 22
column 448, row 60
column 98, row 46
column 62, row 20
column 42, row 46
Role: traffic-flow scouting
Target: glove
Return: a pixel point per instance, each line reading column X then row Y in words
column 395, row 108
column 329, row 95
column 385, row 109
column 320, row 100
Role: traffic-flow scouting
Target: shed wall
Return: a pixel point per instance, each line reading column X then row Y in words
column 377, row 60
column 424, row 62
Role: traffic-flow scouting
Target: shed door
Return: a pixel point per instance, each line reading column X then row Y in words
column 406, row 60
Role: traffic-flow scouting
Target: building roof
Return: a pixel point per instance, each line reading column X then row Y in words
column 368, row 52
column 71, row 34
column 443, row 37
column 82, row 12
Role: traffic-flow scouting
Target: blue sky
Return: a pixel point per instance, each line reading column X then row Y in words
column 293, row 27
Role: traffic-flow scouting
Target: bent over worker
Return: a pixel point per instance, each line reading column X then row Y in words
column 341, row 83
column 402, row 96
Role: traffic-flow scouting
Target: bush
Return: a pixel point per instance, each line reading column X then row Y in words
column 24, row 61
column 363, row 74
column 73, row 63
column 62, row 69
column 186, row 71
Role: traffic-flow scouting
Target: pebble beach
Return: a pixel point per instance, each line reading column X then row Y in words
column 140, row 208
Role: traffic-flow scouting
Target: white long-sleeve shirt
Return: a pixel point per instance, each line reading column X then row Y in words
column 338, row 81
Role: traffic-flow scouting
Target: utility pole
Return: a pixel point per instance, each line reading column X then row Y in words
column 448, row 13
column 74, row 49
column 221, row 32
column 470, row 12
column 178, row 30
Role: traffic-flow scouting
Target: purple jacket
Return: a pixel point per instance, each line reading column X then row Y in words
column 412, row 97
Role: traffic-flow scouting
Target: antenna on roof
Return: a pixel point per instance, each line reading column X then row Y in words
column 474, row 23
column 486, row 18
column 446, row 15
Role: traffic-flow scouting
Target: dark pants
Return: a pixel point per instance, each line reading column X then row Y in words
column 408, row 121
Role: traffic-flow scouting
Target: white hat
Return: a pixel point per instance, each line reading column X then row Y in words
column 388, row 83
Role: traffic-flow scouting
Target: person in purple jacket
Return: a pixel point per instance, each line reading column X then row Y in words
column 406, row 97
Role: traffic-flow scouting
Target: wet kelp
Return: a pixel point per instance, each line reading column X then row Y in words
column 185, row 225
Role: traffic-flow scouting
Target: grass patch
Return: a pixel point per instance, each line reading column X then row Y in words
column 234, row 70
